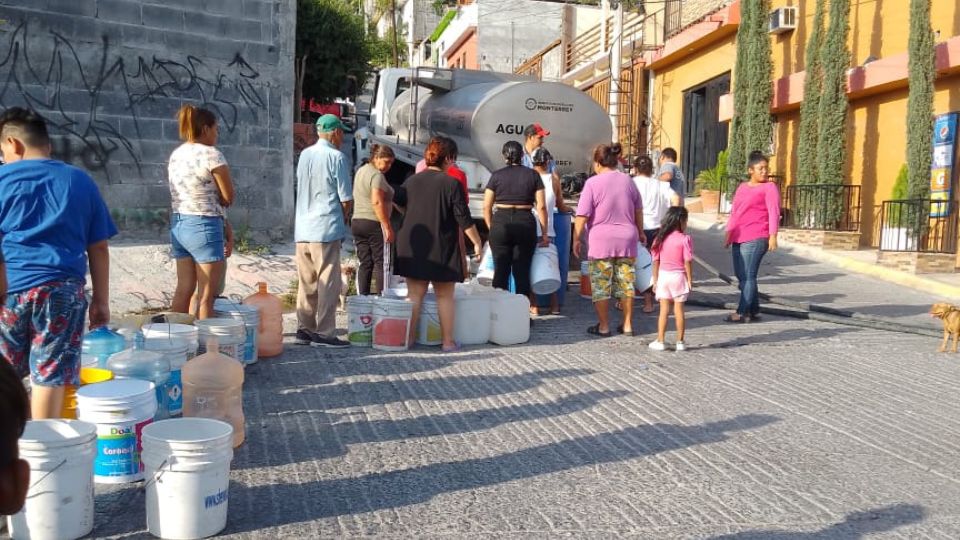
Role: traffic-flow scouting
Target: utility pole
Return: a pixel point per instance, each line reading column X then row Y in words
column 616, row 64
column 396, row 34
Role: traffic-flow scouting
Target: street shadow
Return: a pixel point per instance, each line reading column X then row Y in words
column 280, row 504
column 783, row 337
column 367, row 393
column 331, row 436
column 855, row 525
column 327, row 367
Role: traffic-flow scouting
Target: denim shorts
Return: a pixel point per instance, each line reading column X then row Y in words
column 200, row 238
column 41, row 330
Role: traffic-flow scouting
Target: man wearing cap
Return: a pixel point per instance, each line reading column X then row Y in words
column 535, row 134
column 324, row 202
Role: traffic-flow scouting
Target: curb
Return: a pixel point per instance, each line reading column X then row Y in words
column 886, row 274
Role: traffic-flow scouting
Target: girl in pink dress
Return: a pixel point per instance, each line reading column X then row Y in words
column 672, row 252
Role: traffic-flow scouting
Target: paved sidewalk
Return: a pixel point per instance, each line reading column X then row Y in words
column 791, row 274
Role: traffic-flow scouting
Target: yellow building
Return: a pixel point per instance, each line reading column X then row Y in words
column 694, row 63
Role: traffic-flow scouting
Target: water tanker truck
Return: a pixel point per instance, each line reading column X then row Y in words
column 480, row 110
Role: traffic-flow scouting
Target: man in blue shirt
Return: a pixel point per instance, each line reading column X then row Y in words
column 52, row 220
column 670, row 172
column 324, row 202
column 534, row 134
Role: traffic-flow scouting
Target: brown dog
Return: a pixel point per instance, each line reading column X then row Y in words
column 950, row 315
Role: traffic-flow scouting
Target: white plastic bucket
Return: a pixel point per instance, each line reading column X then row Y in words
column 545, row 270
column 391, row 324
column 187, row 464
column 471, row 323
column 59, row 503
column 428, row 327
column 643, row 269
column 250, row 317
column 485, row 270
column 360, row 320
column 230, row 334
column 187, row 332
column 175, row 350
column 120, row 408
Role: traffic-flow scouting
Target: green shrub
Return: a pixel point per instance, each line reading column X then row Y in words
column 713, row 178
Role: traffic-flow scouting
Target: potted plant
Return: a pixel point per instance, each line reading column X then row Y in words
column 709, row 182
column 896, row 232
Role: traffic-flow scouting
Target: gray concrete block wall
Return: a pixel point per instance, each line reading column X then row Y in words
column 502, row 47
column 110, row 75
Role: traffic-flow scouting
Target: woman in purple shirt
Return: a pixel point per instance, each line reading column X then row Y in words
column 752, row 231
column 611, row 211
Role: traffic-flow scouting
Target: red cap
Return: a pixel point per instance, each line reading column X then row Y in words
column 535, row 129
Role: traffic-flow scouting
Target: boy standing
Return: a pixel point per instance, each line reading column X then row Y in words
column 52, row 219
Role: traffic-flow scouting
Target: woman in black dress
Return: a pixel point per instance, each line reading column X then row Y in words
column 428, row 245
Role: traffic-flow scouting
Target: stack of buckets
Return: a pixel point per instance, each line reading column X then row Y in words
column 59, row 503
column 185, row 461
column 249, row 316
column 378, row 321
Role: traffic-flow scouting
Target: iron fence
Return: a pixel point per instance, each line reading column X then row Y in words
column 919, row 225
column 822, row 207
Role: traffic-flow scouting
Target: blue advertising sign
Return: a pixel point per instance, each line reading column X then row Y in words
column 943, row 164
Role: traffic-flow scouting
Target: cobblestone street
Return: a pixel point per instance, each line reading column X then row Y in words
column 781, row 429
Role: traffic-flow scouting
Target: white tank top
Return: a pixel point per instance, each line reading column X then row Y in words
column 550, row 201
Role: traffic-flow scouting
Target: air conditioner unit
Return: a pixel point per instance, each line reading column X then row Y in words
column 783, row 20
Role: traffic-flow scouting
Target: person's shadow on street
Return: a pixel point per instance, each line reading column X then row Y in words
column 286, row 503
column 856, row 525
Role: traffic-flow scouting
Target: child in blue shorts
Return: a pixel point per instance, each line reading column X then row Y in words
column 52, row 220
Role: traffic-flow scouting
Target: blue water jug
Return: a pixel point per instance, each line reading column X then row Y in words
column 101, row 344
column 138, row 363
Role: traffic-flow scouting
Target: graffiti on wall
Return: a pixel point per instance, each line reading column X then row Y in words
column 84, row 100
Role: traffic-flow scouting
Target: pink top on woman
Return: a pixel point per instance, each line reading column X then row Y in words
column 610, row 202
column 755, row 213
column 676, row 249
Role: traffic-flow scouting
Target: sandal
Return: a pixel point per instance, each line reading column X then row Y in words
column 620, row 330
column 456, row 348
column 754, row 318
column 595, row 331
column 730, row 318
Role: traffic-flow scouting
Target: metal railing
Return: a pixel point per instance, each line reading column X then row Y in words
column 673, row 19
column 586, row 46
column 919, row 225
column 534, row 66
column 822, row 207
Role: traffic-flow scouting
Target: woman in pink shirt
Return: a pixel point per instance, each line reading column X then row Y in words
column 752, row 231
column 611, row 211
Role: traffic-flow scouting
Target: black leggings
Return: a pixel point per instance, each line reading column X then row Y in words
column 513, row 239
column 368, row 237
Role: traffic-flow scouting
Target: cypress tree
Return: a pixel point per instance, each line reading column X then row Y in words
column 807, row 162
column 753, row 89
column 831, row 140
column 922, row 71
column 737, row 159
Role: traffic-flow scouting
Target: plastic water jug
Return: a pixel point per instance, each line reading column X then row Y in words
column 102, row 343
column 213, row 388
column 509, row 319
column 271, row 321
column 139, row 363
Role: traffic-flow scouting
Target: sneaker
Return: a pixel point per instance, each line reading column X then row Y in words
column 329, row 342
column 657, row 345
column 304, row 337
column 680, row 346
